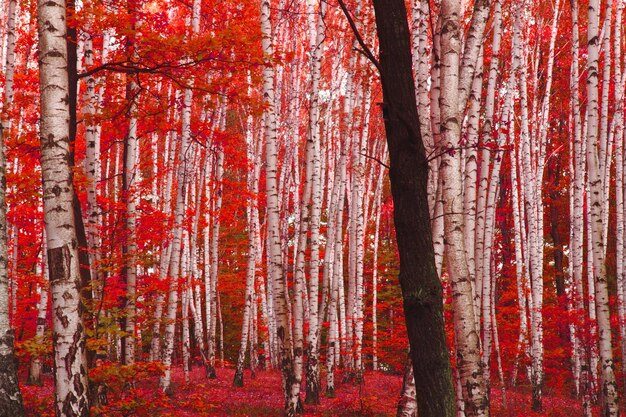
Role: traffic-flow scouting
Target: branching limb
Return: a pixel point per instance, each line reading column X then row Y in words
column 365, row 50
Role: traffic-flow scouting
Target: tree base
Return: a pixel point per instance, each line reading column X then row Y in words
column 238, row 381
column 312, row 394
column 34, row 381
column 11, row 404
column 210, row 372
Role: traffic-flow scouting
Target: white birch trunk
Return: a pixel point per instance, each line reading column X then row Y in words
column 183, row 174
column 619, row 178
column 577, row 217
column 70, row 360
column 407, row 404
column 597, row 198
column 316, row 37
column 36, row 364
column 129, row 250
column 10, row 395
column 215, row 232
column 377, row 210
column 275, row 271
column 185, row 300
column 92, row 170
column 467, row 342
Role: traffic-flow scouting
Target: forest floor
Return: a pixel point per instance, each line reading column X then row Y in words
column 261, row 396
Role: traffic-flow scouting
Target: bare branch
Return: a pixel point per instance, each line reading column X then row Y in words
column 373, row 158
column 365, row 49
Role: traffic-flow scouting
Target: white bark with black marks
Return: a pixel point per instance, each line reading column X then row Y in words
column 68, row 333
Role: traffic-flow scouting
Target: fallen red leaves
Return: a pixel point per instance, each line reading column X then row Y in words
column 262, row 396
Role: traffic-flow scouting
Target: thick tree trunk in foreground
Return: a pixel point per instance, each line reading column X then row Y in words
column 58, row 192
column 420, row 284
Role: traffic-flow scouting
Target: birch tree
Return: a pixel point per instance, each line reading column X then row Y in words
column 316, row 39
column 71, row 385
column 275, row 272
column 468, row 349
column 619, row 176
column 129, row 248
column 597, row 197
column 36, row 364
column 10, row 395
column 581, row 361
column 254, row 243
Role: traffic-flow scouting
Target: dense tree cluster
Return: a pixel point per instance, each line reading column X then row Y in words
column 273, row 184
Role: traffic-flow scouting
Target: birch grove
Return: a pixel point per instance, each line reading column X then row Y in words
column 199, row 192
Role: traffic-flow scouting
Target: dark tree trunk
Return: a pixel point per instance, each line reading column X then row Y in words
column 83, row 251
column 555, row 219
column 86, row 305
column 559, row 272
column 10, row 396
column 421, row 288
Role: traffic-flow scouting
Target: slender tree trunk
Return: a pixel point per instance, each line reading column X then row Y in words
column 11, row 404
column 195, row 274
column 276, row 275
column 333, row 266
column 619, row 179
column 10, row 396
column 577, row 221
column 175, row 271
column 316, row 37
column 252, row 211
column 92, row 168
column 215, row 233
column 166, row 253
column 466, row 336
column 595, row 155
column 36, row 363
column 377, row 210
column 129, row 247
column 185, row 300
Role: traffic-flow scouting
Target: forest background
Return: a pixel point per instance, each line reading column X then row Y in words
column 223, row 170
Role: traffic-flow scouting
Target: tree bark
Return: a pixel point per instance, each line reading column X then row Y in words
column 595, row 164
column 276, row 276
column 316, row 37
column 10, row 396
column 419, row 281
column 58, row 193
column 407, row 405
column 466, row 335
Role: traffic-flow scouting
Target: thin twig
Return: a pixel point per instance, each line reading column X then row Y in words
column 373, row 158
